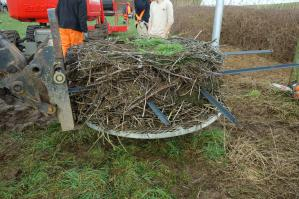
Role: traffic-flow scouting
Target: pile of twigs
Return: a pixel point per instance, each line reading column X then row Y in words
column 114, row 81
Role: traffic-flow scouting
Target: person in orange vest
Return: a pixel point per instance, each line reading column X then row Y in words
column 142, row 15
column 72, row 20
column 127, row 12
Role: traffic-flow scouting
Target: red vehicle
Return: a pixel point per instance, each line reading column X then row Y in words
column 32, row 10
column 36, row 11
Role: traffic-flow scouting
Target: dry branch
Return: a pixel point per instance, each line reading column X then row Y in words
column 123, row 79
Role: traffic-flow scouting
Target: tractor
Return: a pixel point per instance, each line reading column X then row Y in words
column 33, row 11
column 32, row 68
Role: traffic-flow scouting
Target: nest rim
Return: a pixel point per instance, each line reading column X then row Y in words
column 163, row 134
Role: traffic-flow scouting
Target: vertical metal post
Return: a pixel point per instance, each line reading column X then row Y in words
column 295, row 75
column 55, row 33
column 217, row 22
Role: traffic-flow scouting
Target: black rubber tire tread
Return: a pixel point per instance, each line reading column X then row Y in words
column 18, row 116
column 11, row 35
column 30, row 32
column 108, row 5
column 100, row 32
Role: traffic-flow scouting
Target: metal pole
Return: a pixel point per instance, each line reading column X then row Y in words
column 217, row 22
column 58, row 92
column 296, row 61
column 55, row 33
column 248, row 52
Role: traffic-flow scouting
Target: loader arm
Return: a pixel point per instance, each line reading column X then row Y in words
column 40, row 83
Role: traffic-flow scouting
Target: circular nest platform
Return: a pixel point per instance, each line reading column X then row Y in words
column 119, row 82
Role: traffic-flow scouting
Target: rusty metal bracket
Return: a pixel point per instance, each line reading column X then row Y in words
column 58, row 92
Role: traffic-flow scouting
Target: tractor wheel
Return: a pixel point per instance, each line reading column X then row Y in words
column 18, row 115
column 15, row 114
column 11, row 35
column 30, row 32
column 100, row 31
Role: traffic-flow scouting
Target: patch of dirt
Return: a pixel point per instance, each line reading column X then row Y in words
column 262, row 151
column 12, row 173
column 9, row 148
column 20, row 116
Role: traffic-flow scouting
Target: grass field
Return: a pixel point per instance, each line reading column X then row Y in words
column 256, row 159
column 50, row 163
column 47, row 163
column 7, row 23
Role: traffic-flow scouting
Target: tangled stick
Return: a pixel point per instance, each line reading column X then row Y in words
column 121, row 79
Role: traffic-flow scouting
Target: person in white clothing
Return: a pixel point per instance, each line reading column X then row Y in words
column 161, row 18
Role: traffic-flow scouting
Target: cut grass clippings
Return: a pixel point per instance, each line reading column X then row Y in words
column 158, row 46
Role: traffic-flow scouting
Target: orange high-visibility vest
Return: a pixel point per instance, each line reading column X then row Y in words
column 139, row 17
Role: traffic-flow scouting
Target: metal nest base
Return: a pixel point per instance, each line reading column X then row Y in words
column 179, row 131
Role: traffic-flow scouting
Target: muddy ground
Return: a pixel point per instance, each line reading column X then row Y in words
column 262, row 151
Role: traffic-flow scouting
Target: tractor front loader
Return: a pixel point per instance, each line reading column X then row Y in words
column 32, row 68
column 41, row 84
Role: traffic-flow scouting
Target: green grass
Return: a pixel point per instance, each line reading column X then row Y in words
column 212, row 144
column 158, row 46
column 8, row 23
column 48, row 163
column 131, row 33
column 84, row 183
column 55, row 164
column 254, row 93
column 169, row 49
column 148, row 43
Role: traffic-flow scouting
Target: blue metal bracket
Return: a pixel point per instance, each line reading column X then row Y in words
column 79, row 89
column 163, row 118
column 74, row 90
column 249, row 52
column 258, row 69
column 220, row 107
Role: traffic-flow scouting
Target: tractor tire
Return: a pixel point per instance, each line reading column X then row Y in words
column 108, row 5
column 17, row 116
column 30, row 32
column 14, row 113
column 11, row 35
column 100, row 31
